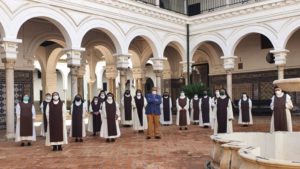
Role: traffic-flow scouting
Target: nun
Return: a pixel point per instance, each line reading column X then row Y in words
column 127, row 109
column 25, row 130
column 56, row 135
column 183, row 118
column 43, row 107
column 139, row 116
column 95, row 116
column 281, row 105
column 223, row 114
column 166, row 109
column 205, row 117
column 110, row 115
column 195, row 109
column 245, row 110
column 78, row 112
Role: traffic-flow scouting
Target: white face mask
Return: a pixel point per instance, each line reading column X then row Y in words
column 278, row 92
column 48, row 98
column 217, row 93
column 55, row 97
column 102, row 96
column 153, row 92
column 196, row 97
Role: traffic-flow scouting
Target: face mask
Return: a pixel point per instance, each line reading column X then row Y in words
column 95, row 101
column 55, row 97
column 48, row 98
column 278, row 92
column 195, row 97
column 217, row 93
column 25, row 98
column 222, row 93
column 153, row 92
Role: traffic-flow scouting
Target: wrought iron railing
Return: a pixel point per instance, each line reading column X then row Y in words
column 197, row 6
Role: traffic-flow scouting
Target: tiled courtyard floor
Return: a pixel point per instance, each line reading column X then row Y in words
column 176, row 150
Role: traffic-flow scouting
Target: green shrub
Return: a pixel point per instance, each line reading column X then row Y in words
column 195, row 88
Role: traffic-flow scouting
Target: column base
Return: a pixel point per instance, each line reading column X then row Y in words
column 10, row 136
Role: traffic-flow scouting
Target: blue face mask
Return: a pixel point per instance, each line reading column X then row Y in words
column 25, row 98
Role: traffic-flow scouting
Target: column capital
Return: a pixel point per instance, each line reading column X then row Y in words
column 8, row 48
column 280, row 56
column 228, row 62
column 74, row 57
column 111, row 71
column 158, row 73
column 138, row 72
column 158, row 63
column 184, row 65
column 9, row 63
column 122, row 60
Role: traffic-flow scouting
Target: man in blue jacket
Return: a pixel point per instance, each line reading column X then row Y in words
column 153, row 114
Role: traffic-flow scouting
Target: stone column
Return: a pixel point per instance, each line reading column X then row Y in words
column 122, row 66
column 111, row 74
column 158, row 66
column 280, row 61
column 91, row 87
column 184, row 70
column 157, row 3
column 8, row 52
column 229, row 67
column 74, row 61
column 138, row 74
column 80, row 74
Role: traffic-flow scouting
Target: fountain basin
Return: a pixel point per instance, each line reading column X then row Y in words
column 290, row 85
column 256, row 150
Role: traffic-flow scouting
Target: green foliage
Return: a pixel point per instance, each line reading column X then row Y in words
column 195, row 88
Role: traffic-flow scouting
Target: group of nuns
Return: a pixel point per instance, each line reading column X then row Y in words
column 216, row 112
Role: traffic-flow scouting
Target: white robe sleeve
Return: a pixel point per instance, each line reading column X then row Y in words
column 289, row 103
column 18, row 111
column 33, row 112
column 230, row 110
column 118, row 111
column 272, row 103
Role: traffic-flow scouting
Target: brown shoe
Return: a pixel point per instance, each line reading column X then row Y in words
column 157, row 137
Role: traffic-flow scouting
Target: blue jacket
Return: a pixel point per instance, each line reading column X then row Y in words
column 154, row 102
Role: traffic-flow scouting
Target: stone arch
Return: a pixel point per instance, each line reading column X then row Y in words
column 239, row 34
column 108, row 27
column 177, row 42
column 287, row 32
column 4, row 20
column 37, row 41
column 197, row 41
column 59, row 19
column 150, row 36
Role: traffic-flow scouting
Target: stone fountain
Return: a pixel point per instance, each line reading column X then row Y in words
column 259, row 150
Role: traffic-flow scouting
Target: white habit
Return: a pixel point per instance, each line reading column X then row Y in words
column 84, row 110
column 136, row 121
column 211, row 104
column 250, row 113
column 18, row 114
column 65, row 137
column 162, row 121
column 288, row 106
column 104, row 129
column 229, row 116
column 186, row 107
